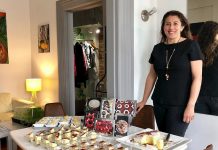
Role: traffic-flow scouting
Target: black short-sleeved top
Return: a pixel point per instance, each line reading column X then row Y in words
column 209, row 85
column 176, row 90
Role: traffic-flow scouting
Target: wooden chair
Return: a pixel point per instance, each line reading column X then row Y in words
column 54, row 109
column 209, row 147
column 145, row 118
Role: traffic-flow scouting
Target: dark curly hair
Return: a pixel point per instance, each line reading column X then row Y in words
column 186, row 33
column 206, row 40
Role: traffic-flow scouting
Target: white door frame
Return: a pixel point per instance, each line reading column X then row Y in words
column 119, row 48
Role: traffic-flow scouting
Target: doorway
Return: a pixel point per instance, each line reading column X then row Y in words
column 77, row 23
column 89, row 56
column 120, row 36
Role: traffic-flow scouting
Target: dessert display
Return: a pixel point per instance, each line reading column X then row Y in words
column 149, row 139
column 62, row 137
column 104, row 126
column 103, row 119
column 65, row 120
column 107, row 109
column 72, row 137
column 52, row 122
column 80, row 138
column 93, row 104
column 42, row 122
column 121, row 125
column 126, row 107
column 76, row 121
column 90, row 119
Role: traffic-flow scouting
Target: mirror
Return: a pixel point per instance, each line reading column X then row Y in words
column 199, row 11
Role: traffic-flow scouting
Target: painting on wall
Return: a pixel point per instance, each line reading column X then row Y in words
column 3, row 39
column 44, row 39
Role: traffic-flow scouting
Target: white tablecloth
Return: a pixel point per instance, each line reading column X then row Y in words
column 18, row 136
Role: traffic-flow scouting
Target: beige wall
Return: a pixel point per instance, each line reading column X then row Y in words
column 147, row 34
column 202, row 10
column 44, row 65
column 23, row 20
column 13, row 75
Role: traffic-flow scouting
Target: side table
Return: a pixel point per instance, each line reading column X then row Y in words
column 5, row 128
column 27, row 115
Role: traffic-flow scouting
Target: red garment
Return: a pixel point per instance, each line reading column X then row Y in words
column 81, row 69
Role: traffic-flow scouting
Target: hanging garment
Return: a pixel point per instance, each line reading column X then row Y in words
column 81, row 69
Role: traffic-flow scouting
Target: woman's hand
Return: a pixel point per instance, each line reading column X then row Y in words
column 140, row 105
column 189, row 113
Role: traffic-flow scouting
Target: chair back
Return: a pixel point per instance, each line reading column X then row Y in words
column 145, row 118
column 54, row 109
column 209, row 147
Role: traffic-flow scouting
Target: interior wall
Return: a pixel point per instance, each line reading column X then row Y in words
column 167, row 5
column 144, row 40
column 200, row 11
column 45, row 65
column 146, row 35
column 13, row 75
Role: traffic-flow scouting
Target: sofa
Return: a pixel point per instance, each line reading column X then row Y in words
column 8, row 105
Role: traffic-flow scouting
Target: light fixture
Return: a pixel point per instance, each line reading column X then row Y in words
column 34, row 85
column 97, row 31
column 145, row 14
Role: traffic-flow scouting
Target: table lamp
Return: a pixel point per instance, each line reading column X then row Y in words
column 34, row 85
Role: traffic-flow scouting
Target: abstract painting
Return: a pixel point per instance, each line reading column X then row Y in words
column 44, row 39
column 3, row 40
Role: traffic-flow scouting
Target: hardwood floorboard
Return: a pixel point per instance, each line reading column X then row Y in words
column 3, row 144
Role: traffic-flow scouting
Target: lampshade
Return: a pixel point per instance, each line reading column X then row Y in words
column 33, row 85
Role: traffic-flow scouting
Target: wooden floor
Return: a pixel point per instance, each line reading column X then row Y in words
column 3, row 144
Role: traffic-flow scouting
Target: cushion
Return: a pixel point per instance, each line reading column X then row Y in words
column 18, row 102
column 5, row 102
column 6, row 116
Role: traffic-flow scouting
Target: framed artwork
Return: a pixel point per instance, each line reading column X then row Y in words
column 44, row 39
column 3, row 40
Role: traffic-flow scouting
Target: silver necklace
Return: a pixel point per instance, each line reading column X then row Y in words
column 168, row 61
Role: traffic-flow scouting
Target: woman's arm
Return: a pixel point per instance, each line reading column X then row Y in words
column 149, row 84
column 196, row 68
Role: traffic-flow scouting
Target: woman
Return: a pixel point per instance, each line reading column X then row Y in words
column 208, row 40
column 176, row 67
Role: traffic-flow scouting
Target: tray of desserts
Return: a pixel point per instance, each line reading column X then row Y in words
column 42, row 122
column 70, row 137
column 58, row 121
column 149, row 139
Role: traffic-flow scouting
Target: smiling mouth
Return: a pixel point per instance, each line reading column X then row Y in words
column 171, row 32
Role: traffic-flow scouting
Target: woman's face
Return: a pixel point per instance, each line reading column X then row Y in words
column 173, row 28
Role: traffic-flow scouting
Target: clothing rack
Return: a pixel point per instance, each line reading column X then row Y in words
column 84, row 40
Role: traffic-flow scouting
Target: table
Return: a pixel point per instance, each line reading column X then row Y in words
column 5, row 128
column 18, row 137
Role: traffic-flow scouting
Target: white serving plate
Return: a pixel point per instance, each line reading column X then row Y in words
column 177, row 141
column 42, row 122
column 38, row 125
